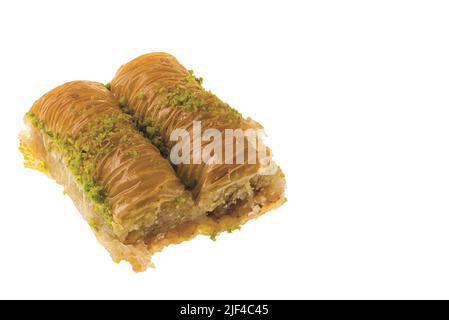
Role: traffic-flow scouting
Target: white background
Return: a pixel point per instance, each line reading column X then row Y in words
column 354, row 96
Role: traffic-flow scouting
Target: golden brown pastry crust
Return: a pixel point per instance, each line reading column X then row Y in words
column 138, row 181
column 141, row 187
column 158, row 89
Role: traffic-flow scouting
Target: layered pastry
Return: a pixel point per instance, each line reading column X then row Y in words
column 118, row 180
column 112, row 147
column 162, row 96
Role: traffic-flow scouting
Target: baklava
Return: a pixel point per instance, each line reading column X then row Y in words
column 111, row 147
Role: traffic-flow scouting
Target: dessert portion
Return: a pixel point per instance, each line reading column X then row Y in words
column 118, row 180
column 114, row 149
column 162, row 96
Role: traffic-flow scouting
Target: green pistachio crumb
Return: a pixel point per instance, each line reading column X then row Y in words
column 134, row 153
column 179, row 201
column 151, row 131
column 191, row 78
column 231, row 230
column 123, row 101
column 94, row 224
column 195, row 98
column 141, row 96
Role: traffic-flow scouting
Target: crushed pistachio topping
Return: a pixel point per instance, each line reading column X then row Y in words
column 231, row 230
column 147, row 128
column 179, row 201
column 191, row 95
column 123, row 101
column 81, row 152
column 134, row 154
column 108, row 86
column 152, row 133
column 94, row 224
column 192, row 78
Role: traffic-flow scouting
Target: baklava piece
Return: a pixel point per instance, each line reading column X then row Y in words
column 111, row 147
